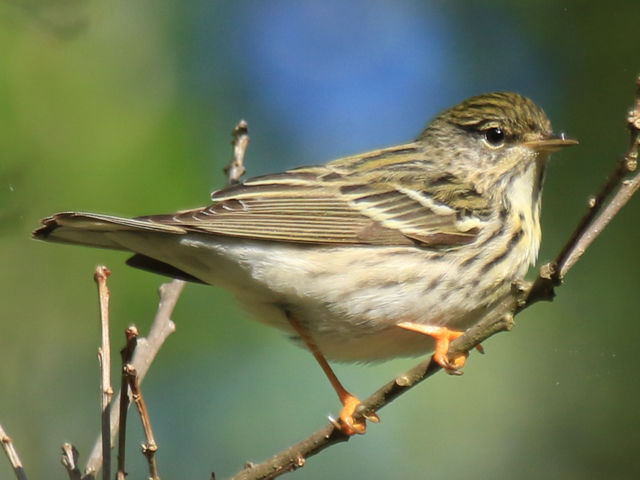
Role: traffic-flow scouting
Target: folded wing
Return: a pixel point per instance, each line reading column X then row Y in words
column 385, row 197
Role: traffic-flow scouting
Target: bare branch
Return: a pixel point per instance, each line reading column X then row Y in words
column 104, row 356
column 597, row 216
column 146, row 351
column 499, row 318
column 628, row 164
column 126, row 353
column 162, row 327
column 70, row 461
column 12, row 455
column 151, row 447
column 236, row 169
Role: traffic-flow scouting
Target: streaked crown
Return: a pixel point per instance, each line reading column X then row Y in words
column 518, row 117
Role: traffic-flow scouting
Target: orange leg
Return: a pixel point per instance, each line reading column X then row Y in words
column 347, row 423
column 442, row 336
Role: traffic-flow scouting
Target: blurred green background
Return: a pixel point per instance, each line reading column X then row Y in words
column 126, row 107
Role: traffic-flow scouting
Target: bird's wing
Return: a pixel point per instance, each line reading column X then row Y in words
column 385, row 197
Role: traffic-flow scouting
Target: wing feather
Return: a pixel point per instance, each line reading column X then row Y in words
column 385, row 197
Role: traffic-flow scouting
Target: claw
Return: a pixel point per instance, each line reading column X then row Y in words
column 443, row 336
column 367, row 413
column 347, row 423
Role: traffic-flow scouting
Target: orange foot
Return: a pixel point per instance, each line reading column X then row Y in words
column 349, row 425
column 443, row 336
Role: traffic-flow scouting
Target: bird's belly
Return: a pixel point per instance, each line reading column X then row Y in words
column 350, row 299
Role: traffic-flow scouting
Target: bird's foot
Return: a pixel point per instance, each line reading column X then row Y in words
column 347, row 423
column 443, row 336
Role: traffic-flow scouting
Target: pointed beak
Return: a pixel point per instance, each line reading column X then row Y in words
column 550, row 143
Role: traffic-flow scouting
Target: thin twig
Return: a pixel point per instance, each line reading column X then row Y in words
column 146, row 351
column 597, row 216
column 499, row 318
column 104, row 355
column 162, row 325
column 151, row 447
column 626, row 191
column 126, row 353
column 12, row 454
column 236, row 169
column 70, row 461
column 628, row 164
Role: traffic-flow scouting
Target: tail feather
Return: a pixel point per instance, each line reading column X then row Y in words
column 150, row 264
column 106, row 231
column 90, row 229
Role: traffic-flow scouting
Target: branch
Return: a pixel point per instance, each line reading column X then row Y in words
column 70, row 461
column 598, row 214
column 627, row 165
column 499, row 318
column 236, row 169
column 104, row 356
column 146, row 351
column 126, row 353
column 151, row 447
column 162, row 325
column 12, row 455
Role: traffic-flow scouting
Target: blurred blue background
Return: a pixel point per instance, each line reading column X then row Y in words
column 127, row 107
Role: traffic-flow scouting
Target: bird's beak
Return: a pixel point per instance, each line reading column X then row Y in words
column 550, row 143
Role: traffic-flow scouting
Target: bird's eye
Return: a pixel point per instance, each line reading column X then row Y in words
column 494, row 136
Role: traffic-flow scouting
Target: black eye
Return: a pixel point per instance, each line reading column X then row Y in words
column 494, row 136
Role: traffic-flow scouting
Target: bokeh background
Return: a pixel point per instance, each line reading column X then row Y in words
column 127, row 107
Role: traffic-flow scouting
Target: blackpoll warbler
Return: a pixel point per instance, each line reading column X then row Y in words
column 388, row 253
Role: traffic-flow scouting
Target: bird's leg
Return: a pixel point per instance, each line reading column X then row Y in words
column 347, row 424
column 443, row 336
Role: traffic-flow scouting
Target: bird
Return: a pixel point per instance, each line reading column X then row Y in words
column 393, row 252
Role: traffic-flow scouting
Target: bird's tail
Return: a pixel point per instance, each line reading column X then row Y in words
column 96, row 230
column 106, row 231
